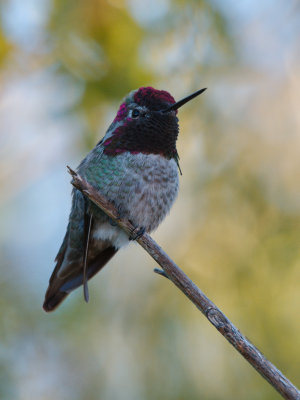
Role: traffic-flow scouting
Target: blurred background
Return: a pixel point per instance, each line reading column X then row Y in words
column 235, row 228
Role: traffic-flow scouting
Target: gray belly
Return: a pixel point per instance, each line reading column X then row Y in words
column 146, row 193
column 148, row 190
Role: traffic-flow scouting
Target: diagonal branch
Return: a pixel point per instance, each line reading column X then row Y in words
column 205, row 305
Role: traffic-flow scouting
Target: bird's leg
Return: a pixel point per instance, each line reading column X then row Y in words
column 137, row 233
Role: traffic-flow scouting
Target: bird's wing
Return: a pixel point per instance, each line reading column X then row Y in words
column 68, row 272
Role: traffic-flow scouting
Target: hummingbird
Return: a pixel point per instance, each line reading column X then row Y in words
column 135, row 166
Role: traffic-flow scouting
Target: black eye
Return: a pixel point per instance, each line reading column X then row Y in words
column 135, row 113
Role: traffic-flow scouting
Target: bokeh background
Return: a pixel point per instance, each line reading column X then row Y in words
column 235, row 228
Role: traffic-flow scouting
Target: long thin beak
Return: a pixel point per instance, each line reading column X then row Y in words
column 180, row 103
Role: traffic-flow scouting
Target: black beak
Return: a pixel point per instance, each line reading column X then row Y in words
column 180, row 103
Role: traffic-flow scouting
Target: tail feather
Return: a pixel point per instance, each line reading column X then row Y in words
column 59, row 288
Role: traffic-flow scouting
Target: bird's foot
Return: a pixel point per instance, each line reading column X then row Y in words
column 137, row 233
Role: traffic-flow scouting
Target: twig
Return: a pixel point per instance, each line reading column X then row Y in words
column 160, row 272
column 205, row 305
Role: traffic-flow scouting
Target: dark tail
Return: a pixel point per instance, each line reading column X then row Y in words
column 59, row 288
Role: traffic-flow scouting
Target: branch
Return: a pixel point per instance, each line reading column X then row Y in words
column 205, row 305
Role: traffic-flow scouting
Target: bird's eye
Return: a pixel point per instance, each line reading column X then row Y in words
column 135, row 113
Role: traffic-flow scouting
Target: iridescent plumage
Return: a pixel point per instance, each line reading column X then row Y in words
column 135, row 166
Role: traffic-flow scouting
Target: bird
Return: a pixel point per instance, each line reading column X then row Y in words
column 136, row 167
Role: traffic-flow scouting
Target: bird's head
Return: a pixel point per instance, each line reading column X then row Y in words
column 146, row 123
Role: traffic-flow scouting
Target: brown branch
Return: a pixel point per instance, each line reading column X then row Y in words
column 206, row 306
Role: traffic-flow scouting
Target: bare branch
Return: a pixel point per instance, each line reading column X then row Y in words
column 205, row 305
